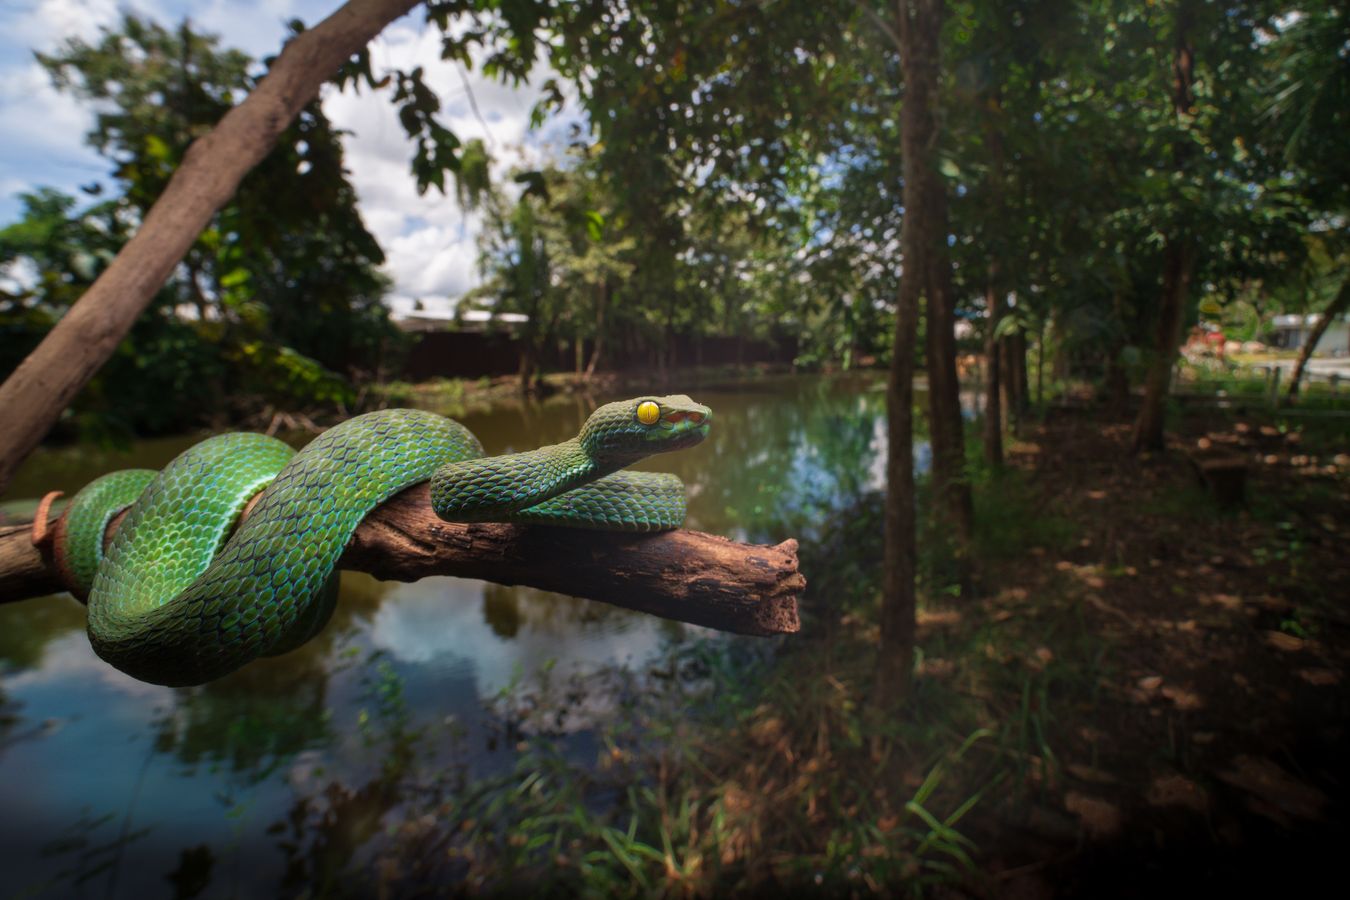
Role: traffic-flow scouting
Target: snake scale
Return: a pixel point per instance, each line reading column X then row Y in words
column 182, row 596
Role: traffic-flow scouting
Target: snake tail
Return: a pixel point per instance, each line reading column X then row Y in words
column 79, row 549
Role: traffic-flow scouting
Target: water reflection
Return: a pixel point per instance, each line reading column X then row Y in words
column 498, row 634
column 287, row 772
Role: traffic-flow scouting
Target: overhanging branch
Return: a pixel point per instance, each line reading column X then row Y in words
column 688, row 576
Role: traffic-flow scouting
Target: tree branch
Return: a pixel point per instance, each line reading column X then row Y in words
column 44, row 384
column 688, row 576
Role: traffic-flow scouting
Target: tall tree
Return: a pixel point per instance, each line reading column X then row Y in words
column 1178, row 251
column 287, row 263
column 917, row 26
column 927, row 261
column 48, row 379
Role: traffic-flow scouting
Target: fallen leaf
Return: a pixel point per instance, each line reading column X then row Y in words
column 1177, row 790
column 1099, row 818
column 1272, row 785
column 1286, row 642
column 1320, row 677
column 1182, row 699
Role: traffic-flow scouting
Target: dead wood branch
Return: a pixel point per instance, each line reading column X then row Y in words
column 688, row 576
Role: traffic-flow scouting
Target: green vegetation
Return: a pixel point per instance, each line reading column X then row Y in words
column 278, row 303
column 1069, row 640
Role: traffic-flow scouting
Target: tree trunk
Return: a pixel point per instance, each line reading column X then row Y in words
column 1338, row 305
column 1178, row 261
column 916, row 24
column 684, row 575
column 527, row 365
column 993, row 294
column 44, row 384
column 1178, row 264
column 1005, row 374
column 601, row 302
column 1019, row 390
column 1115, row 381
column 993, row 407
column 951, row 489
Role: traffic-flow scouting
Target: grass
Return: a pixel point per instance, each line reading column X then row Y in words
column 746, row 767
column 739, row 766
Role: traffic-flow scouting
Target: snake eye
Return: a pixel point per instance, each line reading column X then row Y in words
column 648, row 412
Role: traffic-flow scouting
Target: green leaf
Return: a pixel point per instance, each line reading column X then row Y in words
column 235, row 278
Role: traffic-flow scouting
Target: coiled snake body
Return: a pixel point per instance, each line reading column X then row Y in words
column 180, row 600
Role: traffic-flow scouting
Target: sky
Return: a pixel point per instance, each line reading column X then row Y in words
column 428, row 241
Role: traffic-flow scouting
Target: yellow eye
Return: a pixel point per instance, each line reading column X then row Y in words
column 648, row 412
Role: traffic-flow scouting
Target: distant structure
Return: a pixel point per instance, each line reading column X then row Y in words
column 1292, row 331
column 425, row 314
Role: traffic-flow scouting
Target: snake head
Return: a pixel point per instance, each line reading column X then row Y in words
column 628, row 430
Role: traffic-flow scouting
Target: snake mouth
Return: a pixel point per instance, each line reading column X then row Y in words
column 681, row 428
column 680, row 415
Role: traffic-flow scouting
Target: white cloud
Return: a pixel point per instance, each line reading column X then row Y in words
column 441, row 621
column 428, row 240
column 44, row 135
column 48, row 21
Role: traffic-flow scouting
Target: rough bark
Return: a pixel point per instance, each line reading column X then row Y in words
column 1178, row 265
column 683, row 575
column 1338, row 305
column 925, row 202
column 45, row 383
column 895, row 653
column 1178, row 262
column 951, row 488
column 993, row 293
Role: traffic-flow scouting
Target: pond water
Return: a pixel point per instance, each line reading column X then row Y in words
column 122, row 789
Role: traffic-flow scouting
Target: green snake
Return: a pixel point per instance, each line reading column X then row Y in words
column 182, row 596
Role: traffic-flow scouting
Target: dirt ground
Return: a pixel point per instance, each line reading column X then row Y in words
column 1208, row 751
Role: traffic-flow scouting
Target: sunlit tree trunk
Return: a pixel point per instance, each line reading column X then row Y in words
column 1178, row 265
column 45, row 383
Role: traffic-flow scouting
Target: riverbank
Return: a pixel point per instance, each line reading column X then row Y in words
column 1146, row 694
column 1149, row 696
column 467, row 394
